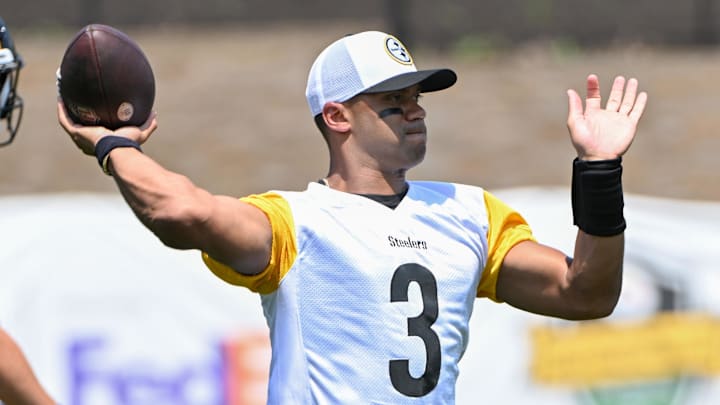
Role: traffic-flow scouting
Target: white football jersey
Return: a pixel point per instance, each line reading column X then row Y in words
column 371, row 305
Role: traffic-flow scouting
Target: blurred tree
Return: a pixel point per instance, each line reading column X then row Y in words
column 704, row 29
column 90, row 12
column 398, row 15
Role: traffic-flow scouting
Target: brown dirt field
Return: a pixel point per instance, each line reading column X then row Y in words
column 233, row 116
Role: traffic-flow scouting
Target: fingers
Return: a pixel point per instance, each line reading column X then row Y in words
column 633, row 104
column 148, row 127
column 89, row 135
column 71, row 129
column 151, row 123
column 142, row 133
column 639, row 107
column 629, row 103
column 63, row 118
column 623, row 99
column 629, row 99
column 616, row 94
column 575, row 107
column 592, row 100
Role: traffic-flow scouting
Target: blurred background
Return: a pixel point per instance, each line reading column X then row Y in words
column 233, row 118
column 231, row 79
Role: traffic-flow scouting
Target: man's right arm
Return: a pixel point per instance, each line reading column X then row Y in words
column 181, row 214
column 184, row 216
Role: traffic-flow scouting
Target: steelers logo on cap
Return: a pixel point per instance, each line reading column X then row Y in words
column 397, row 51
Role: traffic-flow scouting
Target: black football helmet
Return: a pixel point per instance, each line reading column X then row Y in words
column 11, row 104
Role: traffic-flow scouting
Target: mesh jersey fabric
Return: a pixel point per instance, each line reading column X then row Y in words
column 374, row 304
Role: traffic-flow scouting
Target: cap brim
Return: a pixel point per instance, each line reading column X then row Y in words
column 429, row 80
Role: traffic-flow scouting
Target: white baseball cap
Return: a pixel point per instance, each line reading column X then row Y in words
column 367, row 62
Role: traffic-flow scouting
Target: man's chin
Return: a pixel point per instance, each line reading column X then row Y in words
column 417, row 156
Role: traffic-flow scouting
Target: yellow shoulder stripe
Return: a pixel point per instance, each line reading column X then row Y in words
column 284, row 247
column 506, row 228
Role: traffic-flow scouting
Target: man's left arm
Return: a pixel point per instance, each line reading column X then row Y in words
column 542, row 279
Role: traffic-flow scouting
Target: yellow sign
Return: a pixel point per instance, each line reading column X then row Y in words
column 604, row 353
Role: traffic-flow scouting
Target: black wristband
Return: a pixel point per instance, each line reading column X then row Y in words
column 107, row 144
column 597, row 196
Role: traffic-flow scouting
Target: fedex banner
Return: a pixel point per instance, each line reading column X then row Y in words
column 106, row 314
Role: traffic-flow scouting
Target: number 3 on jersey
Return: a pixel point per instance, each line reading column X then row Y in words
column 418, row 326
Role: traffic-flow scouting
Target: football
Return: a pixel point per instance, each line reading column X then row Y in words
column 105, row 79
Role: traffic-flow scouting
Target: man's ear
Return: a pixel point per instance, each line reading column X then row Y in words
column 335, row 117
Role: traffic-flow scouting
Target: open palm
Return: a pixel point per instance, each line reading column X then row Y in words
column 598, row 133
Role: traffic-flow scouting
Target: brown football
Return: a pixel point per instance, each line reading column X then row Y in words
column 105, row 79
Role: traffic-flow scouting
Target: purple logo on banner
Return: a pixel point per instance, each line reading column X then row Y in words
column 94, row 379
column 234, row 372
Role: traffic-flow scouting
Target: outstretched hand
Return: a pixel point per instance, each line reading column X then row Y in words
column 86, row 137
column 598, row 133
